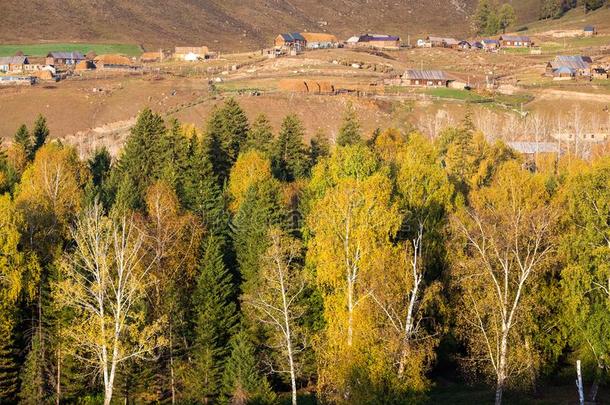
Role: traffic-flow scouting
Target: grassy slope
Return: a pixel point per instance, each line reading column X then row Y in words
column 44, row 49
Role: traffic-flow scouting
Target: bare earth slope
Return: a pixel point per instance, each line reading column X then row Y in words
column 223, row 24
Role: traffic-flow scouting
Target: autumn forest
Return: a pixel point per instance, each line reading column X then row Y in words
column 230, row 263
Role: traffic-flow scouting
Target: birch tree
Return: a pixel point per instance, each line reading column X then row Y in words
column 506, row 235
column 276, row 300
column 105, row 282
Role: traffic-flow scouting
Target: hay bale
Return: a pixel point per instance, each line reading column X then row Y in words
column 293, row 85
column 326, row 87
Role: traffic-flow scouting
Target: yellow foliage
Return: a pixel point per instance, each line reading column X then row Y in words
column 249, row 169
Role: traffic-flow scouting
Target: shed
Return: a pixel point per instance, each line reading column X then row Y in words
column 379, row 41
column 490, row 44
column 600, row 73
column 426, row 78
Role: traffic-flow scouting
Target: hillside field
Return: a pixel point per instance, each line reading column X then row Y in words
column 44, row 49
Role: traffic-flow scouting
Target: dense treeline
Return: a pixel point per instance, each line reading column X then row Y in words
column 556, row 8
column 232, row 265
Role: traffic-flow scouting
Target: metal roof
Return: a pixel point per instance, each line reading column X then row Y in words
column 514, row 38
column 13, row 60
column 378, row 37
column 490, row 41
column 565, row 69
column 425, row 75
column 529, row 148
column 571, row 61
column 589, row 28
column 293, row 37
column 66, row 55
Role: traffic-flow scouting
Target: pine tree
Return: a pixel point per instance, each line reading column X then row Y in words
column 23, row 138
column 175, row 147
column 236, row 127
column 216, row 316
column 260, row 136
column 40, row 133
column 99, row 165
column 350, row 132
column 290, row 160
column 243, row 382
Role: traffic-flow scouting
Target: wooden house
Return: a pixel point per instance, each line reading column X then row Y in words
column 314, row 40
column 515, row 41
column 291, row 41
column 426, row 78
column 64, row 58
column 13, row 63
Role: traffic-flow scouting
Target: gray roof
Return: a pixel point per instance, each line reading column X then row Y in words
column 425, row 75
column 514, row 38
column 66, row 55
column 529, row 148
column 293, row 37
column 14, row 60
column 573, row 62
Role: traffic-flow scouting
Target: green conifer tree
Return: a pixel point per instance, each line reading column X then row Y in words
column 9, row 370
column 243, row 382
column 319, row 147
column 289, row 159
column 350, row 132
column 260, row 210
column 216, row 317
column 32, row 376
column 260, row 136
column 40, row 133
column 22, row 137
column 143, row 157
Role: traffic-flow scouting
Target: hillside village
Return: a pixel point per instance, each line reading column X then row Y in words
column 501, row 69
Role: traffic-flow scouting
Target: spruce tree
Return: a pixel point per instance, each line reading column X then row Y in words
column 175, row 148
column 40, row 133
column 99, row 166
column 9, row 371
column 261, row 209
column 227, row 131
column 319, row 147
column 22, row 137
column 350, row 132
column 216, row 317
column 243, row 382
column 202, row 194
column 143, row 157
column 32, row 376
column 290, row 160
column 260, row 136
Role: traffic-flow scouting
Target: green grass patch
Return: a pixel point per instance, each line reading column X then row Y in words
column 455, row 94
column 38, row 50
column 517, row 51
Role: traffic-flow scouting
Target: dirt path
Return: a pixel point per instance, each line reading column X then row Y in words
column 572, row 96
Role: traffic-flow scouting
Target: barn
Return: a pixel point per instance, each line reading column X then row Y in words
column 515, row 41
column 490, row 44
column 314, row 40
column 64, row 58
column 426, row 78
column 13, row 63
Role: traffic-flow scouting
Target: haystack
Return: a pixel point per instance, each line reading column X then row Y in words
column 84, row 65
column 112, row 59
column 294, row 85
